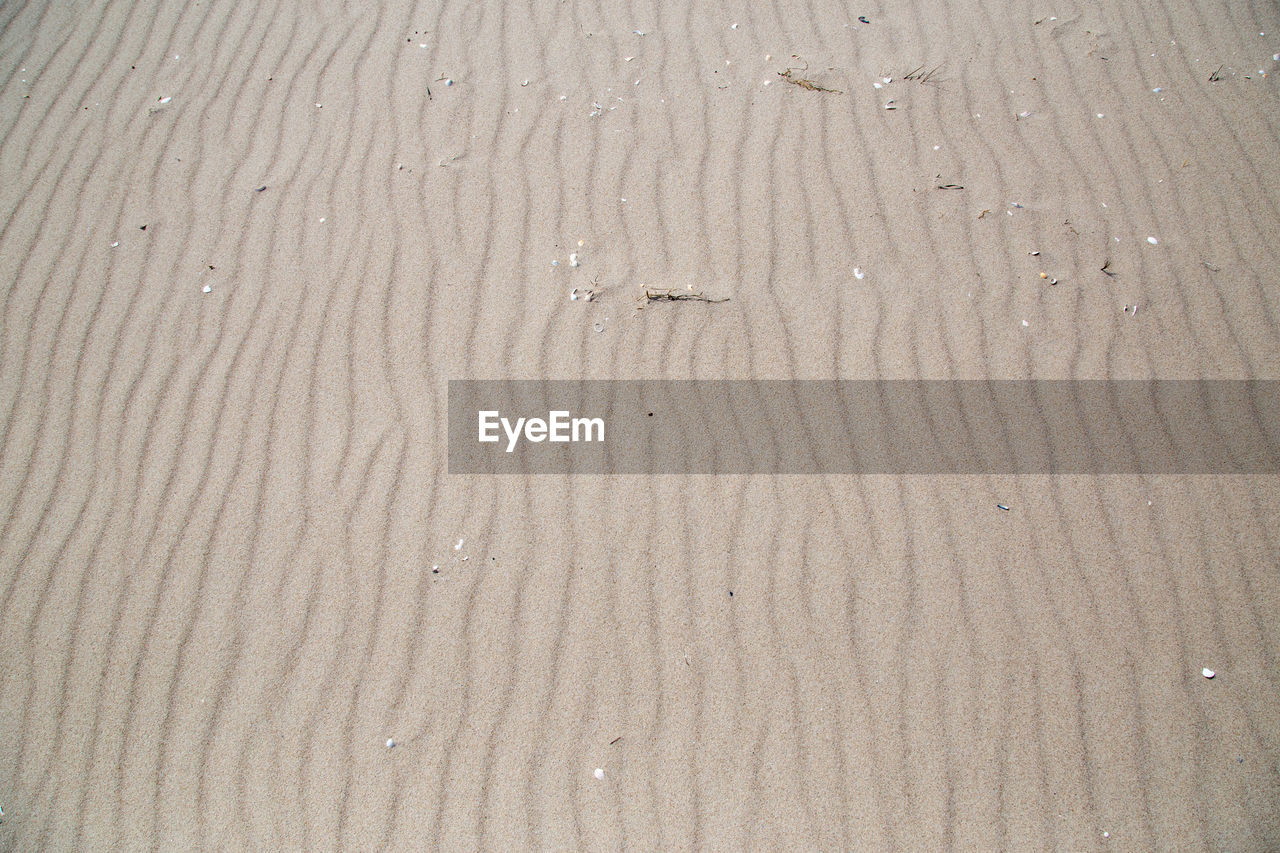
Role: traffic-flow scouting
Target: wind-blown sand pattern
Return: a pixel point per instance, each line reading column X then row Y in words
column 222, row 509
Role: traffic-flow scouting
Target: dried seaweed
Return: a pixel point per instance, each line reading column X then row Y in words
column 680, row 296
column 806, row 84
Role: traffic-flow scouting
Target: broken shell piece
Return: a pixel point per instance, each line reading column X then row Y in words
column 207, row 289
column 599, row 774
column 166, row 99
column 1152, row 240
column 390, row 743
column 1208, row 673
column 573, row 259
column 858, row 273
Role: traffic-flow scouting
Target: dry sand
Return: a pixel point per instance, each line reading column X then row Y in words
column 219, row 512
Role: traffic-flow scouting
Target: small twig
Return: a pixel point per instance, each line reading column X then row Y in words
column 1216, row 76
column 1106, row 268
column 920, row 74
column 950, row 186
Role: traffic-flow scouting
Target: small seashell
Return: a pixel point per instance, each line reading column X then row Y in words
column 208, row 289
column 573, row 259
column 1152, row 240
column 858, row 273
column 458, row 547
column 166, row 99
column 1208, row 673
column 599, row 774
column 391, row 744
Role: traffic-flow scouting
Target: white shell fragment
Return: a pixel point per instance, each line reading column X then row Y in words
column 858, row 273
column 458, row 547
column 573, row 259
column 1208, row 673
column 208, row 289
column 391, row 744
column 1152, row 240
column 599, row 774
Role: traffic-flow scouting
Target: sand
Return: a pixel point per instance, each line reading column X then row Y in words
column 233, row 564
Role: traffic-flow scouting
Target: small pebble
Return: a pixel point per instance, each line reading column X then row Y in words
column 208, row 289
column 573, row 259
column 116, row 243
column 390, row 743
column 1208, row 673
column 1152, row 240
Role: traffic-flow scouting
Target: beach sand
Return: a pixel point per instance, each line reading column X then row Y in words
column 244, row 246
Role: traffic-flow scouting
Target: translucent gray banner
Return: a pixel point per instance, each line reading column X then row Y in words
column 864, row 427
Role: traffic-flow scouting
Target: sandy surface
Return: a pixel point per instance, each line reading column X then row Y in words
column 220, row 511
